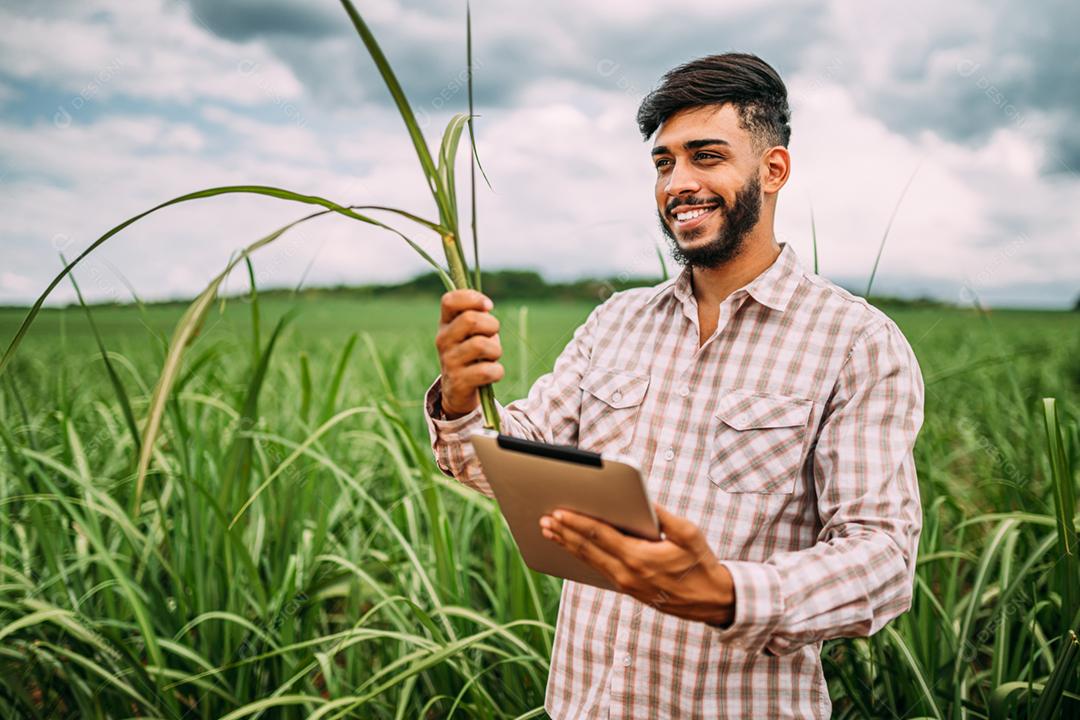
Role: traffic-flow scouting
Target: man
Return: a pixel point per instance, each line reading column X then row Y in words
column 772, row 413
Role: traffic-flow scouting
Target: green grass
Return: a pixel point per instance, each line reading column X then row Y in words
column 285, row 546
column 358, row 581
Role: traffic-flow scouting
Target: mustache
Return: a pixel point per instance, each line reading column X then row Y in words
column 718, row 201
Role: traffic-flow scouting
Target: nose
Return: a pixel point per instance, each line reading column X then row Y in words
column 682, row 181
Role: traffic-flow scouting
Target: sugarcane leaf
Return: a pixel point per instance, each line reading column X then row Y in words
column 239, row 455
column 199, row 194
column 253, row 298
column 447, row 155
column 473, row 159
column 922, row 682
column 423, row 154
column 319, row 432
column 186, row 330
column 1064, row 508
column 305, row 386
column 410, row 216
column 663, row 263
column 469, row 85
column 338, row 377
column 1063, row 675
column 885, row 235
column 259, row 706
column 427, row 258
column 110, row 370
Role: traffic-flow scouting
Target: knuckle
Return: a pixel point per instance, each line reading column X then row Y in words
column 458, row 299
column 622, row 579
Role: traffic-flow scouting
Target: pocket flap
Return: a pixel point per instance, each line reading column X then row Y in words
column 618, row 388
column 745, row 410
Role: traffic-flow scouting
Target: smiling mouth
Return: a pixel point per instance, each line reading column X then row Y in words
column 690, row 218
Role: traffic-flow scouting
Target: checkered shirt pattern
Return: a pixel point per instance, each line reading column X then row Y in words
column 787, row 438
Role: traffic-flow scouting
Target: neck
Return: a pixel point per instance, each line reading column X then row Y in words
column 713, row 285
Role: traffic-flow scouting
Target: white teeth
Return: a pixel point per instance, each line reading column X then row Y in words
column 683, row 217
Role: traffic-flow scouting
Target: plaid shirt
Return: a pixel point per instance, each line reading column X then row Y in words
column 787, row 438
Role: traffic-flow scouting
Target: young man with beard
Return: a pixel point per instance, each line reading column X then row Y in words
column 772, row 414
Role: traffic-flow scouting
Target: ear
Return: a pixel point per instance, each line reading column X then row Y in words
column 775, row 169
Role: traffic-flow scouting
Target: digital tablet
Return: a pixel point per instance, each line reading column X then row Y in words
column 531, row 479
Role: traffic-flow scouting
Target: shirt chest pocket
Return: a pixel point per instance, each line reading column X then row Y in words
column 758, row 441
column 610, row 403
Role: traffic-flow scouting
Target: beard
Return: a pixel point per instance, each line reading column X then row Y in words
column 737, row 222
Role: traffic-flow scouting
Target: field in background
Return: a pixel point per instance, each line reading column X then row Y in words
column 361, row 581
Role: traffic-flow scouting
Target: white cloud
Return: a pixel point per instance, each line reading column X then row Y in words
column 948, row 227
column 146, row 50
column 572, row 179
column 292, row 141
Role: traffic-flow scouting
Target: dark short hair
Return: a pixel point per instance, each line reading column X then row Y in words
column 746, row 81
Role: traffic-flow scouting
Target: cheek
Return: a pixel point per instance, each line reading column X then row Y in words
column 727, row 188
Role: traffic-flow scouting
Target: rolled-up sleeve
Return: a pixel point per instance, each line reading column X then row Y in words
column 859, row 574
column 548, row 414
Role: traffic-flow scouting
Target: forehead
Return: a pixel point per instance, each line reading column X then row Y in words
column 707, row 121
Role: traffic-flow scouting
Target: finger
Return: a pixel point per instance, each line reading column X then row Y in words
column 481, row 373
column 585, row 549
column 478, row 347
column 606, row 537
column 466, row 325
column 679, row 530
column 455, row 302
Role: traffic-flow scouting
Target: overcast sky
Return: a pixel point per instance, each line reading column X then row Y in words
column 109, row 107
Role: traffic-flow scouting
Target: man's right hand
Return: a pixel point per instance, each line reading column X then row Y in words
column 468, row 344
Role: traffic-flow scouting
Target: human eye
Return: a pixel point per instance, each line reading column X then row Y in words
column 708, row 156
column 660, row 162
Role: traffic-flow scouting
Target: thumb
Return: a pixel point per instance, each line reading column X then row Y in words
column 678, row 530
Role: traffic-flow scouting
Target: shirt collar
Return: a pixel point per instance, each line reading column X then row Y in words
column 772, row 288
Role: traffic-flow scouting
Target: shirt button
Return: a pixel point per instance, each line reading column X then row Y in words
column 669, row 454
column 626, row 661
column 616, row 396
column 684, row 391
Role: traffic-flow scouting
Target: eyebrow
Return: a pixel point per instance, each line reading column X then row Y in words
column 690, row 145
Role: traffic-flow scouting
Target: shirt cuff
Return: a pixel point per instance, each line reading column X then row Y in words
column 447, row 431
column 759, row 606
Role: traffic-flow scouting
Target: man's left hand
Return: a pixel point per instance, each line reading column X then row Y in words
column 678, row 574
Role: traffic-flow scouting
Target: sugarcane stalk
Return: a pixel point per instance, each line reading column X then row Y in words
column 459, row 274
